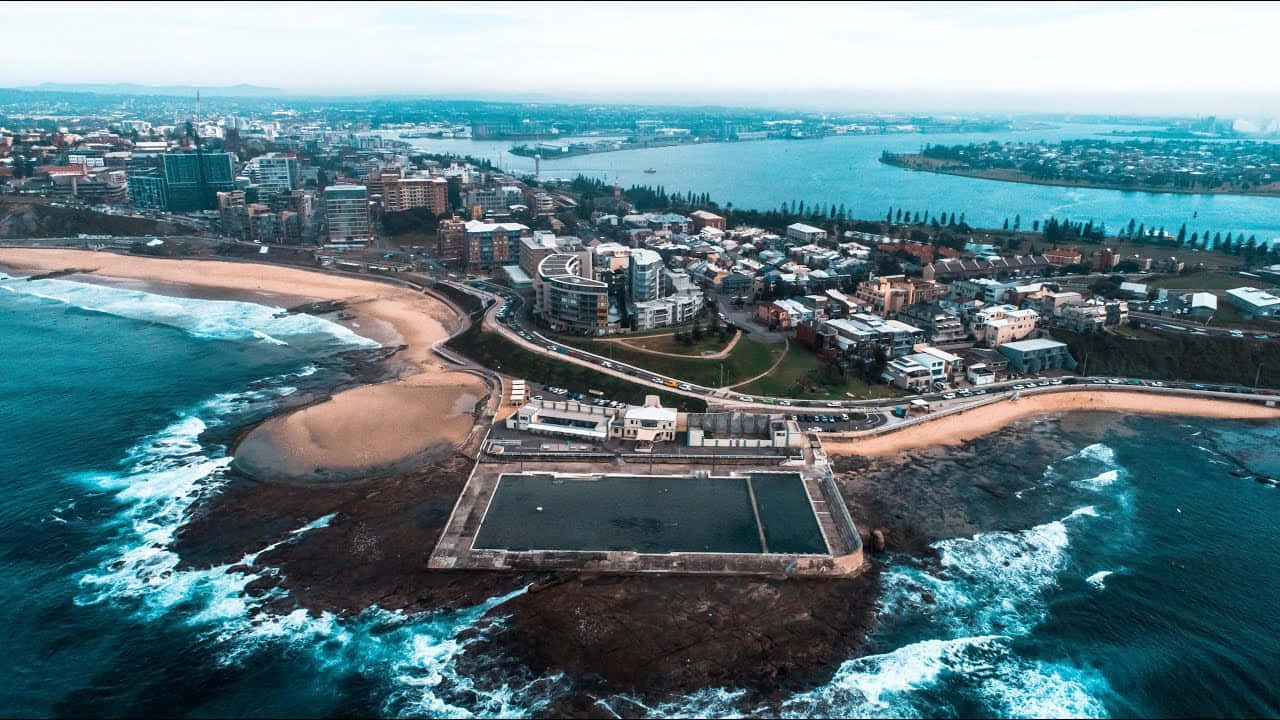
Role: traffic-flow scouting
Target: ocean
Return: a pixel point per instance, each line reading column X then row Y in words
column 846, row 170
column 1151, row 591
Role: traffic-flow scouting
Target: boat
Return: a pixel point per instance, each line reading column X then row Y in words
column 649, row 171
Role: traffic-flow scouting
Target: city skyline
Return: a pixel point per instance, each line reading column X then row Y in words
column 1145, row 58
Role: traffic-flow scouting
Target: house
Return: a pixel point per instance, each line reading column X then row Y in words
column 651, row 423
column 906, row 373
column 806, row 234
column 1061, row 257
column 1038, row 355
column 1200, row 305
column 889, row 294
column 995, row 326
column 1254, row 302
column 956, row 269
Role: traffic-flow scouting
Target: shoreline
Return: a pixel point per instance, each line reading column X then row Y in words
column 975, row 174
column 356, row 431
column 966, row 425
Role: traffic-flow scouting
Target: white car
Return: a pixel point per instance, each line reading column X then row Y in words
column 1044, row 383
column 1056, row 381
column 833, row 404
column 949, row 396
column 606, row 363
column 1113, row 381
column 814, row 429
column 744, row 398
column 685, row 386
column 654, row 378
column 1019, row 387
column 784, row 402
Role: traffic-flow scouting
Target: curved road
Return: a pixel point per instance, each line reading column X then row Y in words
column 879, row 411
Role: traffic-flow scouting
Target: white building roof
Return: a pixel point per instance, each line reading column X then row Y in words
column 1032, row 345
column 1255, row 297
column 659, row 414
column 801, row 227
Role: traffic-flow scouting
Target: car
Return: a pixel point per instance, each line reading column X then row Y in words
column 1197, row 386
column 1043, row 383
column 537, row 397
column 1237, row 334
column 980, row 391
column 1262, row 336
column 655, row 378
column 833, row 404
column 1157, row 383
column 939, row 386
column 844, row 417
column 552, row 348
column 1133, row 382
column 964, row 392
column 606, row 363
column 745, row 398
column 949, row 396
column 1056, row 381
column 1113, row 381
column 685, row 386
column 784, row 402
column 1019, row 387
column 814, row 429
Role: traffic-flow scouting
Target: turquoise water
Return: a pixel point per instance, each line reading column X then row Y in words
column 846, row 170
column 1152, row 592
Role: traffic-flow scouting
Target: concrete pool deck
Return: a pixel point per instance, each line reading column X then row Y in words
column 457, row 547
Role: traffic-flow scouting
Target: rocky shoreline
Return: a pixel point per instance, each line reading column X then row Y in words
column 645, row 637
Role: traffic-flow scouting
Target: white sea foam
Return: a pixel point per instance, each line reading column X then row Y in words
column 1098, row 579
column 217, row 319
column 922, row 679
column 163, row 477
column 1099, row 452
column 1099, row 481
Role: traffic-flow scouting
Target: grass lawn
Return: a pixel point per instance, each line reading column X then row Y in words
column 1208, row 280
column 748, row 359
column 1089, row 251
column 799, row 375
column 667, row 343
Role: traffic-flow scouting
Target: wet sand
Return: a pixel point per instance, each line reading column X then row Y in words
column 970, row 424
column 428, row 408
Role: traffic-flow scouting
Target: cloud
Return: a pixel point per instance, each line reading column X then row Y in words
column 1176, row 55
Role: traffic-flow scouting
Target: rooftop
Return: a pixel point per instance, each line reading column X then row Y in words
column 1033, row 345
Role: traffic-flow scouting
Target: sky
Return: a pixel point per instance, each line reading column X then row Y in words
column 1146, row 58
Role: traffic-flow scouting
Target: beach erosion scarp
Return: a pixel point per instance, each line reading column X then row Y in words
column 427, row 410
column 960, row 427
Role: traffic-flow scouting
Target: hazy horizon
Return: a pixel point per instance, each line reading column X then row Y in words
column 1098, row 58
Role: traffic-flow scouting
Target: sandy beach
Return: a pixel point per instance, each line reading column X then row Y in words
column 970, row 424
column 429, row 406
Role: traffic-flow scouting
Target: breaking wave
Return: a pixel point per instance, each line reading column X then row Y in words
column 415, row 656
column 214, row 319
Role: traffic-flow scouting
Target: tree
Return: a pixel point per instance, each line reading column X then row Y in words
column 1182, row 234
column 1006, row 223
column 899, row 214
column 1035, row 226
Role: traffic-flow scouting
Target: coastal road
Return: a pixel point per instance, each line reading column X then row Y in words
column 879, row 412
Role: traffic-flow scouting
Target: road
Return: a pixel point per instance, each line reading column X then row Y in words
column 498, row 318
column 504, row 320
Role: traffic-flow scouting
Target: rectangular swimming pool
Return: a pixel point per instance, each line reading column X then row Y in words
column 649, row 514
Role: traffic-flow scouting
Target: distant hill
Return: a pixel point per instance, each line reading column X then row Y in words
column 241, row 90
